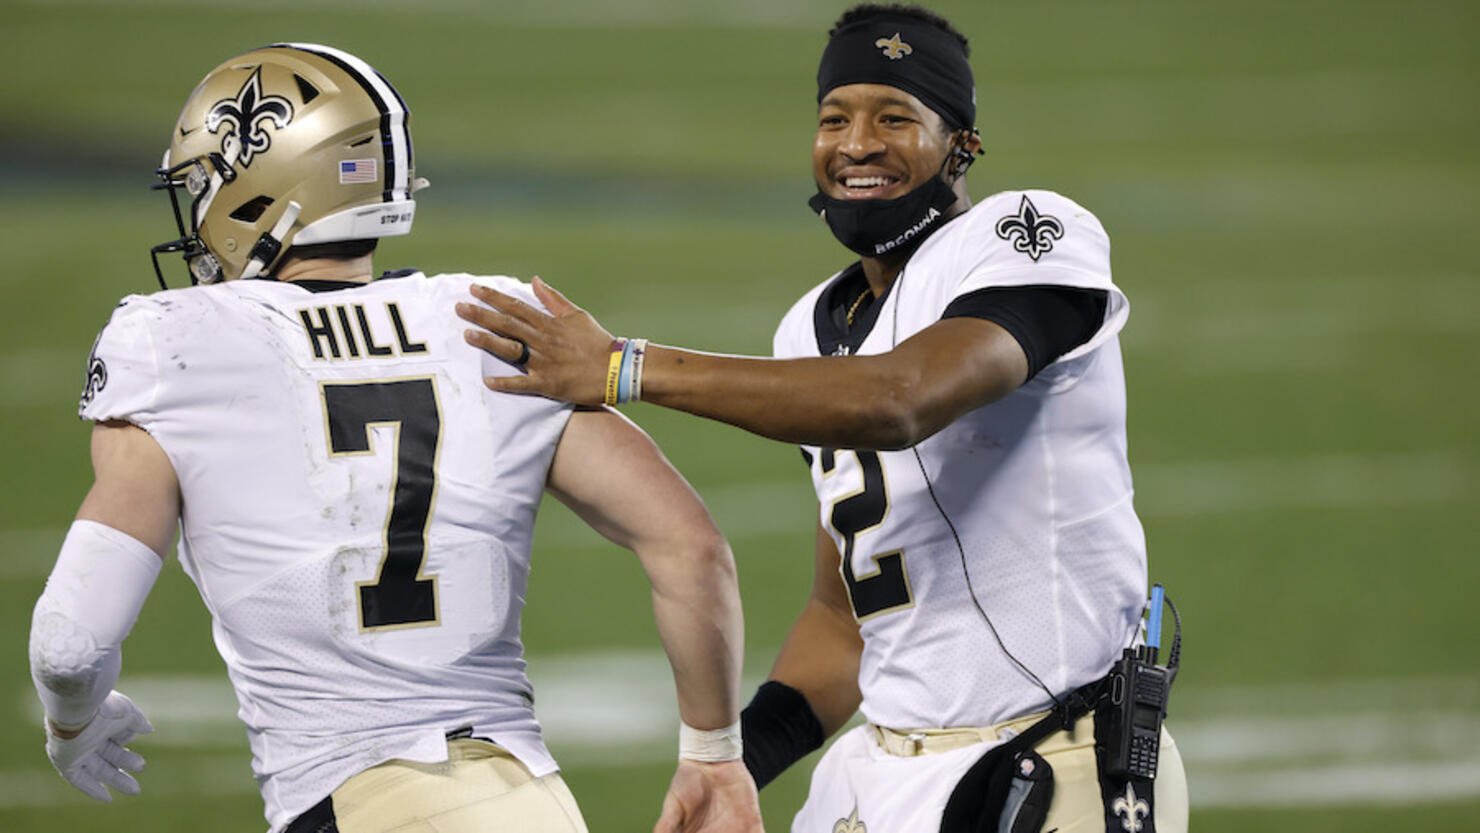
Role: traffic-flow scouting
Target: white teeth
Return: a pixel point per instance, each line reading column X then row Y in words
column 864, row 181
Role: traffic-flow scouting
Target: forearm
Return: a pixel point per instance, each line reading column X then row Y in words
column 613, row 476
column 838, row 402
column 820, row 659
column 70, row 685
column 812, row 693
column 696, row 605
column 90, row 603
column 879, row 401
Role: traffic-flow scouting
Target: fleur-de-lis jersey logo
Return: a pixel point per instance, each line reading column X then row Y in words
column 851, row 824
column 1131, row 809
column 97, row 376
column 893, row 47
column 244, row 116
column 1030, row 232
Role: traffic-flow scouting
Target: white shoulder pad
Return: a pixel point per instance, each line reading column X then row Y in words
column 123, row 368
column 1033, row 238
column 458, row 285
column 515, row 287
column 1020, row 238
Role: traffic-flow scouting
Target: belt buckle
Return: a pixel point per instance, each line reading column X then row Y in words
column 916, row 740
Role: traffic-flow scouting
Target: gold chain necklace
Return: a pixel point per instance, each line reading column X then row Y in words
column 853, row 310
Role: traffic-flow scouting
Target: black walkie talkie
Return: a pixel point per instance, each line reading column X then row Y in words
column 1137, row 703
column 1136, row 700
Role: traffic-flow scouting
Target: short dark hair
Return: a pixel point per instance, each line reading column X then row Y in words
column 866, row 11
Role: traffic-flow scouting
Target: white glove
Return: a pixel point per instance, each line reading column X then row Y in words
column 97, row 755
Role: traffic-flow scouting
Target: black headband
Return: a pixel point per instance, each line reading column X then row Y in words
column 907, row 53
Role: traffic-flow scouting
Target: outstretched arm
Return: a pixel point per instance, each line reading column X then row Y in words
column 891, row 400
column 613, row 476
column 106, row 568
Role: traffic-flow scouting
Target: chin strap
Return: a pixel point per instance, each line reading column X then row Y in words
column 270, row 244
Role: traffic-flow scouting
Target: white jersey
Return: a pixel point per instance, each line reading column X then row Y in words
column 1029, row 496
column 357, row 512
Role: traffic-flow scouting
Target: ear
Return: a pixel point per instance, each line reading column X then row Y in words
column 966, row 145
column 972, row 142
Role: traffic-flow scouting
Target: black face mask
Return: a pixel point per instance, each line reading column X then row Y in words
column 874, row 228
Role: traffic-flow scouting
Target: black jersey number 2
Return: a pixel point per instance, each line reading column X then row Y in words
column 888, row 588
column 400, row 596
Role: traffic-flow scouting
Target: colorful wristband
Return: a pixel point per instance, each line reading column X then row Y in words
column 624, row 371
column 614, row 370
column 624, row 375
column 639, row 351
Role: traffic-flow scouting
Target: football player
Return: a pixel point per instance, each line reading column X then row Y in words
column 957, row 393
column 354, row 507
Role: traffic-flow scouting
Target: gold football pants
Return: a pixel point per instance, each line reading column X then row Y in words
column 479, row 788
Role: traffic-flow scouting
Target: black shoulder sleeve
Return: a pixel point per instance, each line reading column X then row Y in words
column 1047, row 321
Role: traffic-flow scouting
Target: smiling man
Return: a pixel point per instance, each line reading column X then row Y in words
column 958, row 395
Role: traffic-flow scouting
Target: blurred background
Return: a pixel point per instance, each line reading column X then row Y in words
column 1290, row 188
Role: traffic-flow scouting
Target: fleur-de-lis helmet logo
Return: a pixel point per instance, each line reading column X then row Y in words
column 1131, row 809
column 1030, row 232
column 245, row 116
column 893, row 47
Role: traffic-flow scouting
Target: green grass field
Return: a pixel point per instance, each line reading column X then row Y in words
column 1290, row 188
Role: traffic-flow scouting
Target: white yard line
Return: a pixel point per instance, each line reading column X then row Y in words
column 207, row 775
column 1201, row 488
column 1206, row 488
column 1263, row 746
column 1390, row 782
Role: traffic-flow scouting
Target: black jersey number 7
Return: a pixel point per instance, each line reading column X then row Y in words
column 888, row 588
column 400, row 596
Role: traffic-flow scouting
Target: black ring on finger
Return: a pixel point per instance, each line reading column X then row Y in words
column 523, row 354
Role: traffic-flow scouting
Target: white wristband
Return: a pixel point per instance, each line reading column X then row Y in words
column 709, row 745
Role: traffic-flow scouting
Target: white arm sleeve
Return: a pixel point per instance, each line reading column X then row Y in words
column 90, row 603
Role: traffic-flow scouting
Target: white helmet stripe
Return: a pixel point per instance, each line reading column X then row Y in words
column 393, row 130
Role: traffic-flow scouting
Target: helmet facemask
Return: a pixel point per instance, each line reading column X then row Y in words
column 193, row 178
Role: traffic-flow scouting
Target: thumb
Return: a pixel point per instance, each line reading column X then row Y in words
column 557, row 304
column 671, row 820
column 139, row 723
column 135, row 721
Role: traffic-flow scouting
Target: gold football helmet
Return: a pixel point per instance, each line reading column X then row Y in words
column 293, row 144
